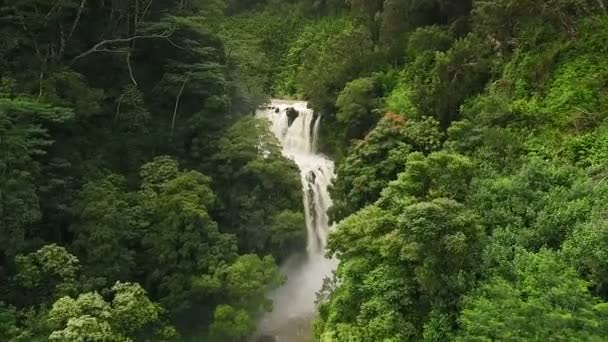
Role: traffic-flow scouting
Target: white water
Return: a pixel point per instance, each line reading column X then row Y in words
column 294, row 302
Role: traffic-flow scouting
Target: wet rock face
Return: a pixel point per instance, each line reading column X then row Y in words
column 292, row 115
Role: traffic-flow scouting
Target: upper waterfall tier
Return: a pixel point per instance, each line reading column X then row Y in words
column 296, row 126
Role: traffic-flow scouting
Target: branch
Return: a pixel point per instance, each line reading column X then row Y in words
column 98, row 47
column 118, row 107
column 174, row 44
column 130, row 69
column 77, row 20
column 146, row 10
column 41, row 78
column 177, row 105
column 53, row 9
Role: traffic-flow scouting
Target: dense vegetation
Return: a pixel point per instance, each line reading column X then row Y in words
column 140, row 201
column 471, row 142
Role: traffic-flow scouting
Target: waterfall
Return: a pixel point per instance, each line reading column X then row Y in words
column 296, row 127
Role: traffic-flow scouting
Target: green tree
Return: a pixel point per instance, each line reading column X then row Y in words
column 231, row 324
column 181, row 240
column 89, row 317
column 46, row 274
column 256, row 183
column 287, row 234
column 546, row 300
column 378, row 159
column 24, row 139
column 585, row 249
column 431, row 243
column 357, row 104
column 241, row 288
column 106, row 233
column 326, row 68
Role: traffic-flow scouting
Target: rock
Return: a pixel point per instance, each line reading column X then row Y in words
column 292, row 115
column 315, row 117
column 311, row 177
column 277, row 110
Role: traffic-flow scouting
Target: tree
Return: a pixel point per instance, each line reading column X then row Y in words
column 89, row 317
column 425, row 177
column 455, row 75
column 287, row 234
column 378, row 159
column 256, row 183
column 585, row 249
column 181, row 240
column 543, row 201
column 231, row 324
column 46, row 274
column 357, row 104
column 107, row 231
column 430, row 242
column 326, row 68
column 8, row 323
column 241, row 289
column 23, row 139
column 546, row 300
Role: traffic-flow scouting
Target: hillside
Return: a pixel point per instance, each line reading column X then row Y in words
column 140, row 199
column 471, row 143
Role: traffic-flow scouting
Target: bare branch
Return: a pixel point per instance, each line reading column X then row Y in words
column 147, row 9
column 53, row 9
column 174, row 44
column 118, row 107
column 130, row 69
column 177, row 104
column 98, row 47
column 40, row 90
column 77, row 20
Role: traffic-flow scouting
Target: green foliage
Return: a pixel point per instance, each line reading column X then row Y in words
column 439, row 175
column 259, row 51
column 24, row 139
column 495, row 17
column 46, row 274
column 242, row 287
column 378, row 159
column 231, row 324
column 312, row 36
column 356, row 104
column 546, row 300
column 454, row 75
column 248, row 278
column 89, row 317
column 8, row 324
column 585, row 249
column 543, row 201
column 520, row 93
column 256, row 183
column 389, row 283
column 327, row 67
column 106, row 230
column 287, row 234
column 181, row 238
column 470, row 141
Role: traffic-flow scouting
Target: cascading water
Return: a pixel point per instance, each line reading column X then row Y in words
column 296, row 127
